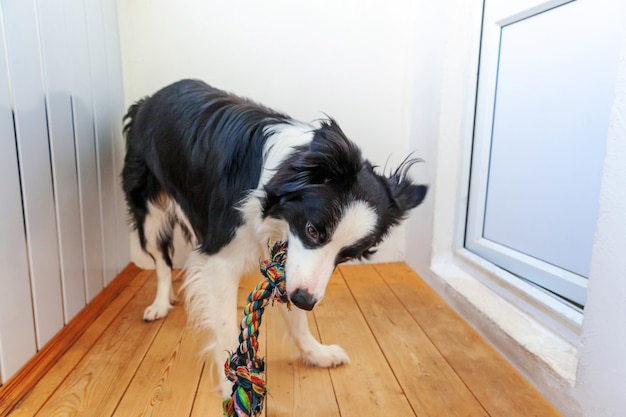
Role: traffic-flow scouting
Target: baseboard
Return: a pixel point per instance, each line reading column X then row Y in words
column 21, row 384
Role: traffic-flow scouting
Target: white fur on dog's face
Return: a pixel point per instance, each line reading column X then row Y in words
column 310, row 269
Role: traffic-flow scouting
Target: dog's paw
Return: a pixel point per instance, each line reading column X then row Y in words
column 155, row 312
column 326, row 356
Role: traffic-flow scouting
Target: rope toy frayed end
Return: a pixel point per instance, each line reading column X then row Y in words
column 243, row 367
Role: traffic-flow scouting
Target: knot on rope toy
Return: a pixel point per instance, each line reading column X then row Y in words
column 243, row 367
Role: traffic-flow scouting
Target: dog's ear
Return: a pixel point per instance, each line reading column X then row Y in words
column 330, row 159
column 404, row 193
column 333, row 158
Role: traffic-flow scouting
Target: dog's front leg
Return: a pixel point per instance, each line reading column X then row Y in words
column 210, row 290
column 313, row 352
column 224, row 336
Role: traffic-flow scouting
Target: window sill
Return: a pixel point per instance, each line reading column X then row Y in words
column 536, row 349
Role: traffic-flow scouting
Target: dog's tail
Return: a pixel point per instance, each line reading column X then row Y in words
column 129, row 119
column 137, row 181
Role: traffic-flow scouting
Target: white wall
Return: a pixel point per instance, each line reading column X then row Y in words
column 602, row 371
column 349, row 59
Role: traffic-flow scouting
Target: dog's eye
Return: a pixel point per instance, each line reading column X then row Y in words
column 312, row 231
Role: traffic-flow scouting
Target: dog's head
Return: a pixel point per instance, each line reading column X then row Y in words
column 336, row 206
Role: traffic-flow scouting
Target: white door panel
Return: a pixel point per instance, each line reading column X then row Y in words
column 34, row 159
column 54, row 193
column 57, row 78
column 84, row 130
column 116, row 103
column 102, row 128
column 17, row 326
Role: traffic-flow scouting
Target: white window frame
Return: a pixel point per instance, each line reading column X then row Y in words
column 451, row 260
column 565, row 283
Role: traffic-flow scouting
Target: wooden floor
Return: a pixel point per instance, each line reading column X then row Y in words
column 411, row 355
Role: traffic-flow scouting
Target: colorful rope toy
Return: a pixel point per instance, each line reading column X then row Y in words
column 243, row 367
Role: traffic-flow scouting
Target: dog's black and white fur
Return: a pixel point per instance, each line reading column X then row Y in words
column 235, row 175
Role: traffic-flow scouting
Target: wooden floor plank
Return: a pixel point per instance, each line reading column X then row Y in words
column 290, row 382
column 431, row 385
column 158, row 387
column 49, row 383
column 409, row 352
column 207, row 402
column 365, row 387
column 25, row 392
column 494, row 382
column 95, row 386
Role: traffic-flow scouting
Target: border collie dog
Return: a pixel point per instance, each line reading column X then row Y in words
column 235, row 176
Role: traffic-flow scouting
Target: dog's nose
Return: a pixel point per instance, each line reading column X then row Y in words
column 302, row 299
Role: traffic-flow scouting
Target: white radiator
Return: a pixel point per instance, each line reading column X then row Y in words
column 62, row 218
